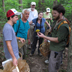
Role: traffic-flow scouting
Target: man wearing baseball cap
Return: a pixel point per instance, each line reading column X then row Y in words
column 9, row 38
column 48, row 16
column 33, row 14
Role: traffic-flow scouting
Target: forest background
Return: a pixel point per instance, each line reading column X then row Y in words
column 41, row 5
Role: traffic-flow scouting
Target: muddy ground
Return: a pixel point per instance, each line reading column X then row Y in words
column 37, row 64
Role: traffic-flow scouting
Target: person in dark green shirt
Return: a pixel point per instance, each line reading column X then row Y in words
column 58, row 39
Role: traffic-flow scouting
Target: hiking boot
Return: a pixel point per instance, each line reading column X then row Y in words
column 61, row 63
column 40, row 54
column 31, row 55
column 46, row 61
column 29, row 47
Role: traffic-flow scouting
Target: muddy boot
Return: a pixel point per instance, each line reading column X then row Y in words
column 39, row 54
column 31, row 55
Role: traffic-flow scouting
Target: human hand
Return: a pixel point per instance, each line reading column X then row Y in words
column 22, row 40
column 45, row 40
column 48, row 18
column 40, row 34
column 15, row 62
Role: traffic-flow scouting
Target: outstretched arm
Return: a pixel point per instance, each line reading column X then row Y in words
column 30, row 22
column 48, row 24
column 53, row 39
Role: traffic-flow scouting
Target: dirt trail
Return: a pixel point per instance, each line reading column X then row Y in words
column 37, row 64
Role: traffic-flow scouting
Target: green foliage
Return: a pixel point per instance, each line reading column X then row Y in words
column 68, row 7
column 40, row 6
column 62, row 70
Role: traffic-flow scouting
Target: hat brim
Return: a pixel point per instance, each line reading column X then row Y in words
column 18, row 13
column 47, row 11
column 33, row 4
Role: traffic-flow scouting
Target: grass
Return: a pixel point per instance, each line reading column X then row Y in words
column 62, row 70
column 1, row 49
column 46, row 71
column 0, row 37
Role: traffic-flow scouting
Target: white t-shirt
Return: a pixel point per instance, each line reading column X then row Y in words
column 32, row 15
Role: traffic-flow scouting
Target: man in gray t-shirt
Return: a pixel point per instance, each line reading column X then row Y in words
column 9, row 35
column 9, row 38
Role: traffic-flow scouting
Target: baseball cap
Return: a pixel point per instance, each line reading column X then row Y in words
column 12, row 12
column 47, row 9
column 33, row 3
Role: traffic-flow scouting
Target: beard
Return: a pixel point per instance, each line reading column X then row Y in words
column 58, row 17
column 32, row 8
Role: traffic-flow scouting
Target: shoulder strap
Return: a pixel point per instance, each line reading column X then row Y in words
column 40, row 24
column 36, row 22
column 69, row 30
column 18, row 27
column 62, row 24
column 19, row 24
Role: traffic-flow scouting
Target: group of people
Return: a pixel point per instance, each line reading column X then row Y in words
column 25, row 29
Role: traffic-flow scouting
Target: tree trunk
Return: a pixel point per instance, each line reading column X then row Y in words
column 3, row 5
column 39, row 5
column 42, row 1
column 70, row 52
column 43, row 5
column 54, row 3
column 20, row 2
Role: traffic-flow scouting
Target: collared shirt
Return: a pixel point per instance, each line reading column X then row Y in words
column 62, row 34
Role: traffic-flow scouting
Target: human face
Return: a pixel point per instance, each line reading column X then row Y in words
column 14, row 19
column 55, row 14
column 32, row 7
column 26, row 14
column 40, row 15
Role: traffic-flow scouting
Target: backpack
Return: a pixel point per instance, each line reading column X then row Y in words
column 67, row 44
